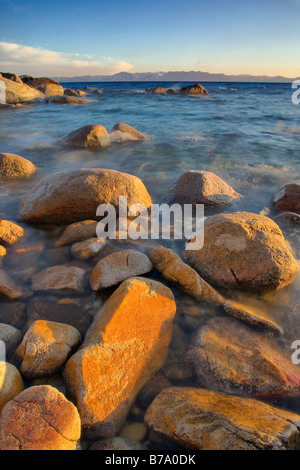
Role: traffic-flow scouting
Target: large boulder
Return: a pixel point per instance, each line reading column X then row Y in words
column 47, row 86
column 74, row 195
column 45, row 348
column 14, row 166
column 288, row 198
column 117, row 267
column 92, row 136
column 40, row 418
column 231, row 357
column 195, row 89
column 12, row 76
column 243, row 251
column 19, row 92
column 126, row 344
column 203, row 187
column 203, row 420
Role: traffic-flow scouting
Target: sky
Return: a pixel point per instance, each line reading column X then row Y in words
column 97, row 37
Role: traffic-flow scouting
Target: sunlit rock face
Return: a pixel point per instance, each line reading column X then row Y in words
column 244, row 251
column 124, row 347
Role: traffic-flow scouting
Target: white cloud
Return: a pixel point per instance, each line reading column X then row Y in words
column 19, row 59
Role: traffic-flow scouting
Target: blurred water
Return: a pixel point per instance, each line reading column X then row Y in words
column 248, row 134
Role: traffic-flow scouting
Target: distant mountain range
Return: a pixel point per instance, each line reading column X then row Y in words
column 175, row 77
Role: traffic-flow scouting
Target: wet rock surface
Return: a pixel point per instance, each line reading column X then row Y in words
column 234, row 358
column 202, row 420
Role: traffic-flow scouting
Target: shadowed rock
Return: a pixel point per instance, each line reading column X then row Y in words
column 288, row 198
column 232, row 357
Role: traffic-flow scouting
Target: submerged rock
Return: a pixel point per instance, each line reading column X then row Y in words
column 88, row 248
column 157, row 90
column 11, row 383
column 288, row 198
column 10, row 336
column 42, row 309
column 14, row 166
column 46, row 347
column 171, row 266
column 288, row 220
column 126, row 129
column 68, row 100
column 10, row 232
column 203, row 187
column 243, row 250
column 116, row 443
column 195, row 89
column 117, row 267
column 19, row 93
column 74, row 195
column 247, row 315
column 77, row 232
column 124, row 347
column 12, row 313
column 92, row 136
column 9, row 288
column 202, row 420
column 60, row 279
column 233, row 358
column 40, row 418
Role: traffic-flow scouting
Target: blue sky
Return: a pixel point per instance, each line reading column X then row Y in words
column 65, row 38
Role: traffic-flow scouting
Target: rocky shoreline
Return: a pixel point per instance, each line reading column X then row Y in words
column 117, row 345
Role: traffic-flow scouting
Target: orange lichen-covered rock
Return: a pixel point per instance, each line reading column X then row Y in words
column 45, row 347
column 171, row 266
column 40, row 418
column 203, row 420
column 234, row 358
column 10, row 232
column 126, row 344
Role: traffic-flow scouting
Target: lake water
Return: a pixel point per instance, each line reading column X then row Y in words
column 248, row 134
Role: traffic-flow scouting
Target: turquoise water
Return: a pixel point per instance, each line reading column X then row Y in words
column 248, row 134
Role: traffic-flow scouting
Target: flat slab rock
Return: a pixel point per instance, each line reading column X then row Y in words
column 40, row 418
column 60, row 279
column 118, row 267
column 124, row 347
column 203, row 420
column 234, row 358
column 233, row 245
column 246, row 314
